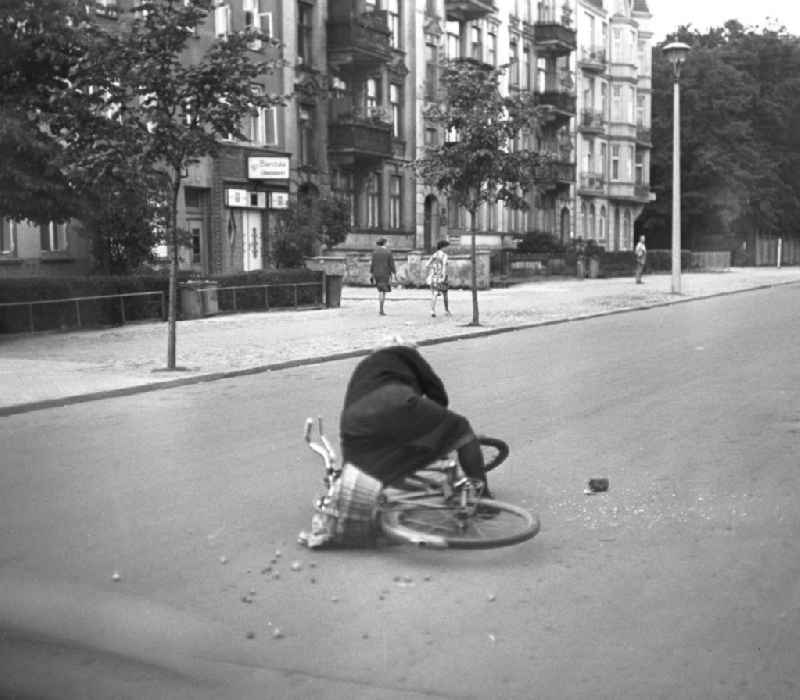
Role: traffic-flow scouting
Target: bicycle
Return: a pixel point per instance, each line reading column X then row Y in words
column 437, row 507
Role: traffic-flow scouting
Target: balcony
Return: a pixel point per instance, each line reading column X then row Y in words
column 559, row 100
column 360, row 42
column 554, row 39
column 592, row 121
column 353, row 139
column 592, row 183
column 593, row 59
column 644, row 135
column 468, row 10
column 556, row 174
column 642, row 193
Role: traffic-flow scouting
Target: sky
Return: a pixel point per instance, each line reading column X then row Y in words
column 702, row 14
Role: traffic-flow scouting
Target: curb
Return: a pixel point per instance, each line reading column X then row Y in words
column 29, row 407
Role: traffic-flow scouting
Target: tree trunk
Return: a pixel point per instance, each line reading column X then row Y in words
column 173, row 277
column 474, row 260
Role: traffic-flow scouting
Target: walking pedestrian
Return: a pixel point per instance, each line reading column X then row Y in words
column 381, row 270
column 640, row 252
column 437, row 276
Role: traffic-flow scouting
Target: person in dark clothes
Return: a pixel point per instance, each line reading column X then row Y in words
column 396, row 419
column 381, row 270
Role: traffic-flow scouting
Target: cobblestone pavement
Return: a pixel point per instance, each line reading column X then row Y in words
column 58, row 367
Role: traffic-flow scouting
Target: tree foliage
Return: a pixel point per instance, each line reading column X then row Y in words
column 308, row 223
column 740, row 146
column 486, row 156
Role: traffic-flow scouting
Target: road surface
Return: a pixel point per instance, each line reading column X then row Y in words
column 681, row 581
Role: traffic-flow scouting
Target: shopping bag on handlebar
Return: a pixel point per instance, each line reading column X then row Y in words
column 347, row 514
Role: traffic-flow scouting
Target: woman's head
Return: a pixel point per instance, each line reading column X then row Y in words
column 442, row 244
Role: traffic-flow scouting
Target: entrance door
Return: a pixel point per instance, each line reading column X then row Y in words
column 194, row 253
column 564, row 225
column 251, row 241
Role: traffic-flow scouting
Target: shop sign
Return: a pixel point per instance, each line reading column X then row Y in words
column 268, row 168
column 245, row 199
column 278, row 200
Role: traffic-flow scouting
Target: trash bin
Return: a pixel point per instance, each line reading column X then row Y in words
column 333, row 291
column 594, row 268
column 199, row 298
column 580, row 265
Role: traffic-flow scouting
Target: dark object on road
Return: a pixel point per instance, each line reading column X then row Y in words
column 598, row 485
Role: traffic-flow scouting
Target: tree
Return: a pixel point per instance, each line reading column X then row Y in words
column 174, row 111
column 484, row 158
column 308, row 223
column 739, row 164
column 41, row 45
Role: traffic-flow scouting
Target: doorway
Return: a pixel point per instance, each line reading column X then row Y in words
column 251, row 241
column 430, row 229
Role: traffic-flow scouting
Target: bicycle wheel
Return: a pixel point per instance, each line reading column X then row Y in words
column 431, row 522
column 494, row 451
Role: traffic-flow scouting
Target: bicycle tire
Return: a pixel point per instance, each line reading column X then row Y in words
column 500, row 454
column 428, row 521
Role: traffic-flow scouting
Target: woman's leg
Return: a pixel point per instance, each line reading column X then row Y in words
column 433, row 299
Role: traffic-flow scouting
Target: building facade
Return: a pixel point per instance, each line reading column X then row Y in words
column 361, row 73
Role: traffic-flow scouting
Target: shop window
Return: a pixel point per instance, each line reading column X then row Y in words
column 53, row 236
column 8, row 237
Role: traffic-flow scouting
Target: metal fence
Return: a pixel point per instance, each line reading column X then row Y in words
column 74, row 309
column 241, row 297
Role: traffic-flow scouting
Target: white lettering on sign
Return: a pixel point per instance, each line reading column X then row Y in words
column 268, row 168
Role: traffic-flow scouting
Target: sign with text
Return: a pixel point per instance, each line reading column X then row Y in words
column 278, row 200
column 245, row 199
column 268, row 168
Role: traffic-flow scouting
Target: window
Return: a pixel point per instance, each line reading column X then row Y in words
column 604, row 159
column 262, row 128
column 395, row 187
column 195, row 232
column 453, row 40
column 256, row 20
column 526, row 67
column 591, row 232
column 616, row 103
column 431, row 137
column 393, row 9
column 602, row 224
column 588, row 157
column 8, row 237
column 476, row 43
column 305, row 140
column 395, row 102
column 513, row 54
column 222, row 21
column 371, row 96
column 53, row 236
column 431, row 72
column 304, row 33
column 491, row 46
column 641, row 111
column 541, row 74
column 374, row 200
column 640, row 179
column 344, row 188
column 615, row 172
column 604, row 99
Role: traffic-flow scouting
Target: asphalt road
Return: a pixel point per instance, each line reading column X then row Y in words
column 681, row 581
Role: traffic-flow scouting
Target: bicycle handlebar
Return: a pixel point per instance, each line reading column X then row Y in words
column 324, row 450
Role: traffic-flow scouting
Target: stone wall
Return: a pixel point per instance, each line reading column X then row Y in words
column 411, row 271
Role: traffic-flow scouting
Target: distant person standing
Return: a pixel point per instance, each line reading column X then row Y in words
column 640, row 253
column 437, row 276
column 381, row 270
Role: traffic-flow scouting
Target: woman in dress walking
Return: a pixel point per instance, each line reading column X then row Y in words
column 437, row 276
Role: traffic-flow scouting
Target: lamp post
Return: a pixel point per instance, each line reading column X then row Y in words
column 676, row 53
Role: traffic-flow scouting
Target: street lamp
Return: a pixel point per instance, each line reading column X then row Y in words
column 676, row 53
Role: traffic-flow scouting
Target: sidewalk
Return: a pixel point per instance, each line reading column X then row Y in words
column 54, row 368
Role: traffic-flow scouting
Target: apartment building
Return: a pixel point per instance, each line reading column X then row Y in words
column 361, row 73
column 614, row 98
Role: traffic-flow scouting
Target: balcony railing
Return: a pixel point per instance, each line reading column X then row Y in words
column 593, row 58
column 466, row 10
column 360, row 139
column 556, row 173
column 558, row 99
column 592, row 120
column 360, row 40
column 554, row 38
column 593, row 182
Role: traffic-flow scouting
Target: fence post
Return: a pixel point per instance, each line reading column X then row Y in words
column 294, row 289
column 266, row 297
column 30, row 316
column 78, row 312
column 234, row 298
column 780, row 250
column 122, row 308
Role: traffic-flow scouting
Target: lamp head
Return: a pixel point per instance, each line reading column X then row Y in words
column 676, row 52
